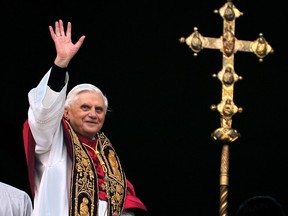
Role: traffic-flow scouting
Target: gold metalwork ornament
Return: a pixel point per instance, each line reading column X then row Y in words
column 229, row 45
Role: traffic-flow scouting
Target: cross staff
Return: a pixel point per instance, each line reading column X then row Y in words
column 228, row 44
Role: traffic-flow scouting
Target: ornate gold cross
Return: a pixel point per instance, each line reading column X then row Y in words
column 228, row 44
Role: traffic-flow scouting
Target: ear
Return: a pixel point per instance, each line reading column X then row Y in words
column 66, row 114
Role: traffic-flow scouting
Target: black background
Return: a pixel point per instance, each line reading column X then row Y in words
column 160, row 95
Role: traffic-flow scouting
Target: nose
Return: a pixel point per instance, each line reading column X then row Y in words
column 92, row 113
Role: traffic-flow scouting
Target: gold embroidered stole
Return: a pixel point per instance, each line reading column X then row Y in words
column 115, row 180
column 84, row 183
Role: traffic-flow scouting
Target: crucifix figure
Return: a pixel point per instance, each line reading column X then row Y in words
column 228, row 44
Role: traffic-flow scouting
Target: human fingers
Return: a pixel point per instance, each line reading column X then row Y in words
column 52, row 33
column 69, row 29
column 61, row 28
column 80, row 41
column 57, row 28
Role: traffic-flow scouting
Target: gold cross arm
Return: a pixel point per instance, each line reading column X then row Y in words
column 228, row 44
column 260, row 47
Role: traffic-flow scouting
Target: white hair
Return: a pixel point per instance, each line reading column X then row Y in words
column 72, row 95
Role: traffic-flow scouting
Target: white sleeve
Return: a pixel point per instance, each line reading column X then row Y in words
column 27, row 205
column 45, row 113
column 14, row 201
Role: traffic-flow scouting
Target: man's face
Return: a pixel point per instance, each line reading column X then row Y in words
column 87, row 114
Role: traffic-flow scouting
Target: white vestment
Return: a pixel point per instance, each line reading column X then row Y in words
column 14, row 202
column 52, row 164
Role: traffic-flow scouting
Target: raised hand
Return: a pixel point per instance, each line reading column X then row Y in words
column 65, row 48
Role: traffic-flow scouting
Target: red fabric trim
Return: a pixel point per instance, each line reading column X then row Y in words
column 132, row 201
column 29, row 147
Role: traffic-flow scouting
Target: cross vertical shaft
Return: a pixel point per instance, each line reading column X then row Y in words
column 228, row 44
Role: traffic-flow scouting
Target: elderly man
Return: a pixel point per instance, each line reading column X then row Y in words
column 73, row 167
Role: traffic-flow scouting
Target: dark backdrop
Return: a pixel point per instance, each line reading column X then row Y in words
column 160, row 95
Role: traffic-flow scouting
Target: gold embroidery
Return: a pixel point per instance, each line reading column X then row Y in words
column 114, row 163
column 85, row 189
column 84, row 185
column 115, row 184
column 84, row 209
